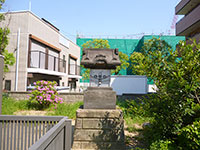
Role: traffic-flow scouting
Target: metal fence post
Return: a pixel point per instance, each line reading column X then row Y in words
column 1, row 79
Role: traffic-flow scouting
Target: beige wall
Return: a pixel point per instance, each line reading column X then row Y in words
column 42, row 30
column 14, row 21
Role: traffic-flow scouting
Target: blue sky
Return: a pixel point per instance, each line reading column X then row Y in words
column 102, row 18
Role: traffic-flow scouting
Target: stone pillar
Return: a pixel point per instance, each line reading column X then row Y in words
column 1, row 79
column 98, row 129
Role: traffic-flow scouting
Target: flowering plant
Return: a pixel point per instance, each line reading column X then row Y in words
column 45, row 94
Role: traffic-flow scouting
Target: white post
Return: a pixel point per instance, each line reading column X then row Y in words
column 17, row 60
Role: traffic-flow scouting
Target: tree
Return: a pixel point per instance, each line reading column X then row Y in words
column 9, row 58
column 96, row 43
column 176, row 106
column 103, row 44
column 124, row 63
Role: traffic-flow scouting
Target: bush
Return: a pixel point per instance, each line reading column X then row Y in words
column 177, row 76
column 132, row 108
column 189, row 136
column 45, row 94
column 161, row 145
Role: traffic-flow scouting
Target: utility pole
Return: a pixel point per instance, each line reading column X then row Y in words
column 1, row 79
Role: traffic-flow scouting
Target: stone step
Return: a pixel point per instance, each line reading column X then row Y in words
column 99, row 145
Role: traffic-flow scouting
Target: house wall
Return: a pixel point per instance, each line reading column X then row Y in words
column 14, row 21
column 42, row 30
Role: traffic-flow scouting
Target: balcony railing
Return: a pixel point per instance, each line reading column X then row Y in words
column 188, row 23
column 74, row 69
column 39, row 59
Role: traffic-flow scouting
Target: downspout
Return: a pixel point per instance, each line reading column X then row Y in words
column 17, row 60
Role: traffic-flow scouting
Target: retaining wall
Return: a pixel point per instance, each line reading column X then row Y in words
column 67, row 97
column 72, row 97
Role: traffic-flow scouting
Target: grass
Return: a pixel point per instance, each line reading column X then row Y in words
column 10, row 105
column 66, row 110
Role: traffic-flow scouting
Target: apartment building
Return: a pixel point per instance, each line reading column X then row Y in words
column 44, row 53
column 189, row 25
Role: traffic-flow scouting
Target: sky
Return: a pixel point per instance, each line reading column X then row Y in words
column 102, row 18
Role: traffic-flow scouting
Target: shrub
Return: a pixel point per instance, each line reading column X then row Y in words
column 132, row 108
column 189, row 136
column 45, row 94
column 161, row 145
column 177, row 76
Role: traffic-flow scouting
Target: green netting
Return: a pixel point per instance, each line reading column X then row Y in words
column 128, row 46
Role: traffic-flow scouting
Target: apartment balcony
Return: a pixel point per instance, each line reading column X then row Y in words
column 189, row 23
column 185, row 6
column 44, row 63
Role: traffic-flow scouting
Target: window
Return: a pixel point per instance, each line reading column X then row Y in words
column 72, row 66
column 8, row 85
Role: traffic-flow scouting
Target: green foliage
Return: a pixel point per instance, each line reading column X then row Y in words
column 68, row 110
column 124, row 63
column 176, row 104
column 137, row 59
column 9, row 105
column 45, row 94
column 161, row 145
column 86, row 74
column 96, row 43
column 3, row 39
column 132, row 108
column 1, row 3
column 189, row 136
column 9, row 60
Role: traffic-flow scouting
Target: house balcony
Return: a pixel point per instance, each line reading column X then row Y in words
column 189, row 23
column 74, row 71
column 185, row 6
column 40, row 62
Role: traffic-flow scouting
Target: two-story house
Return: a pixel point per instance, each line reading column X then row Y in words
column 43, row 53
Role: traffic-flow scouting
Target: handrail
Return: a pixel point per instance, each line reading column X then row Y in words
column 37, row 51
column 51, row 135
column 43, row 60
column 30, row 118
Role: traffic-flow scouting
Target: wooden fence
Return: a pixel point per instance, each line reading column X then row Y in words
column 20, row 132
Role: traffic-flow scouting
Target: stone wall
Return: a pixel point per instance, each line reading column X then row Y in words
column 71, row 97
column 67, row 97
